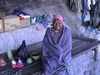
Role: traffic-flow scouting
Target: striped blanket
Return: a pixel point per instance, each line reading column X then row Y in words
column 56, row 57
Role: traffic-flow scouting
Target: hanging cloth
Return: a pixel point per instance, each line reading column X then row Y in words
column 95, row 14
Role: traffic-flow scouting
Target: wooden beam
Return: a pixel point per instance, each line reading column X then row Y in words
column 95, row 54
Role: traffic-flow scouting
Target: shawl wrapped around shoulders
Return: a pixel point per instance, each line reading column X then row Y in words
column 57, row 56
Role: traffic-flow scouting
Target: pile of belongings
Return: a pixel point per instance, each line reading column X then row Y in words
column 22, row 15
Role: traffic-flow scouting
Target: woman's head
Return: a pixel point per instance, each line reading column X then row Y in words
column 57, row 22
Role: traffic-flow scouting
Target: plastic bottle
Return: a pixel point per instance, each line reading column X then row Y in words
column 9, row 53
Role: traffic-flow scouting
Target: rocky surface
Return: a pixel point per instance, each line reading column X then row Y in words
column 82, row 65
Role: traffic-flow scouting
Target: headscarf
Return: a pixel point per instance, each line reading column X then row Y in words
column 58, row 17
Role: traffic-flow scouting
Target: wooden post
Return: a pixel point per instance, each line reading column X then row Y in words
column 95, row 54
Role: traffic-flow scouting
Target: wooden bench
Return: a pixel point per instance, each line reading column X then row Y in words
column 80, row 46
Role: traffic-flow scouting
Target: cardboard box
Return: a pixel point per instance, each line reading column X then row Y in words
column 1, row 26
column 11, row 22
column 2, row 15
column 25, row 22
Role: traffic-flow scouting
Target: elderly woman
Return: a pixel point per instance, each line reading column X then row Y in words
column 56, row 51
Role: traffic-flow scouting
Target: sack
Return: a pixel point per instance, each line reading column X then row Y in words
column 22, row 52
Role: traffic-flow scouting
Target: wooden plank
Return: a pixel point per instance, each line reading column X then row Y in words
column 38, row 73
column 32, row 69
column 79, row 43
column 84, row 38
column 34, row 46
column 26, row 70
column 75, row 40
column 84, row 48
column 39, row 44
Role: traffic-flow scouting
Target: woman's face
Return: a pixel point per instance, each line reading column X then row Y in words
column 57, row 24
